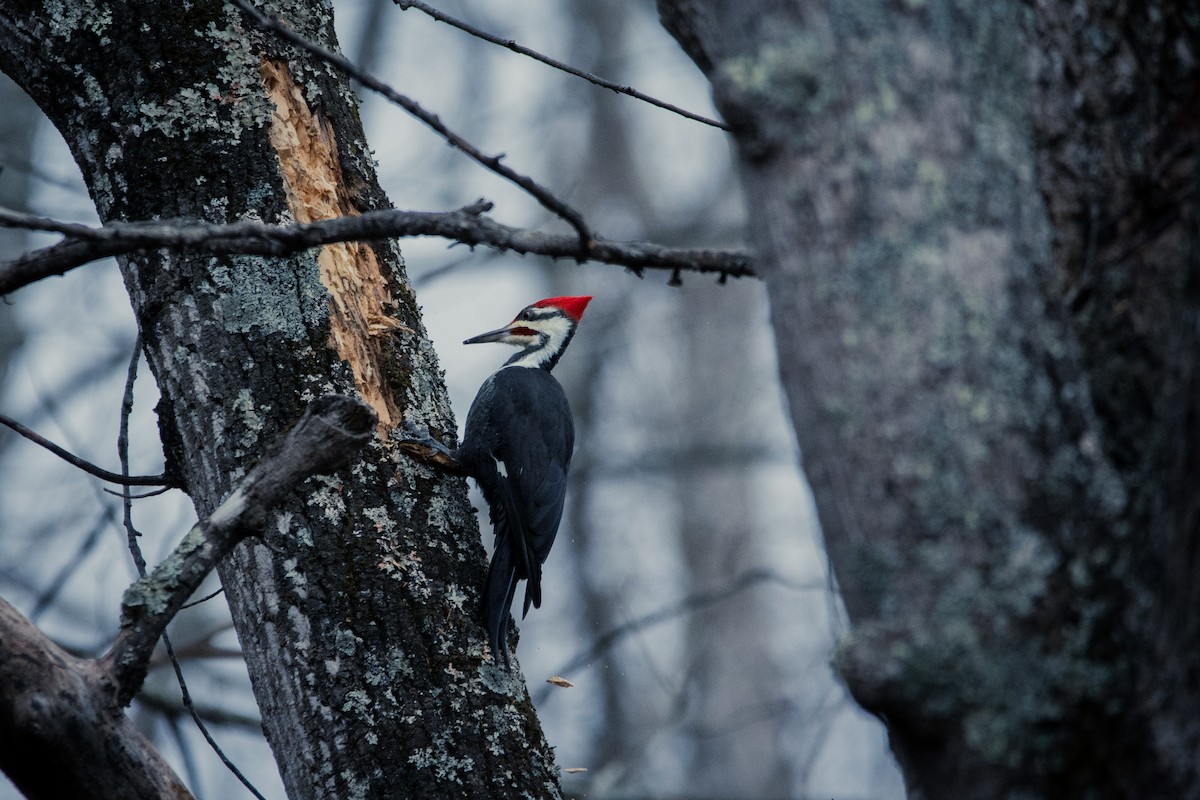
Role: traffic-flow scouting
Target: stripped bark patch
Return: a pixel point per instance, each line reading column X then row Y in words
column 359, row 290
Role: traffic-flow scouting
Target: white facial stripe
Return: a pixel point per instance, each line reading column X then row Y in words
column 503, row 470
column 555, row 330
column 552, row 325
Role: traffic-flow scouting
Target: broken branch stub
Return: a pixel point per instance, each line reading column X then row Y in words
column 330, row 431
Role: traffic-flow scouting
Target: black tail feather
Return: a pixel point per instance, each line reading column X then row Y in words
column 511, row 562
column 533, row 589
column 497, row 601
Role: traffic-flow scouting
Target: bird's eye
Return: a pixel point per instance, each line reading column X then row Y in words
column 525, row 315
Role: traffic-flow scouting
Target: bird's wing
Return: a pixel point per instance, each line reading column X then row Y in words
column 537, row 439
column 517, row 444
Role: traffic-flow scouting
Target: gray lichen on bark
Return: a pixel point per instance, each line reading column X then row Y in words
column 974, row 508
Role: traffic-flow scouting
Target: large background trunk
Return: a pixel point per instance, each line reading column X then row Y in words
column 978, row 229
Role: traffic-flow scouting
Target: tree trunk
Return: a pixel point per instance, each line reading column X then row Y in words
column 978, row 229
column 359, row 614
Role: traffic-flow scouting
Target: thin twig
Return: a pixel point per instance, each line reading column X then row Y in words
column 469, row 225
column 690, row 604
column 86, row 466
column 204, row 599
column 559, row 65
column 493, row 163
column 123, row 456
column 140, row 495
column 139, row 561
column 208, row 737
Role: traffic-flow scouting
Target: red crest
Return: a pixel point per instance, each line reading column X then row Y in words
column 574, row 306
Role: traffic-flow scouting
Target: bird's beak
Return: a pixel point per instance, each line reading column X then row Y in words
column 491, row 336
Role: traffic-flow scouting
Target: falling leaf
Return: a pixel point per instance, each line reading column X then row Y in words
column 560, row 681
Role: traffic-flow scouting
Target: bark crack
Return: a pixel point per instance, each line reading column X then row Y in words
column 359, row 289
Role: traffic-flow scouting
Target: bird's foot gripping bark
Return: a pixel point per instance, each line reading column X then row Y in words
column 418, row 443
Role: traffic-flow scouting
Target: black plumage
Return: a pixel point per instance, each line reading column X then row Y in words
column 517, row 445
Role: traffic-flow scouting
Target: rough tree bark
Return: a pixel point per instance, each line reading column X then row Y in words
column 978, row 225
column 359, row 621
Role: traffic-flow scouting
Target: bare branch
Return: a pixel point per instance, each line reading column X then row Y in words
column 331, row 430
column 86, row 466
column 559, row 65
column 131, row 533
column 540, row 193
column 139, row 495
column 468, row 225
column 52, row 702
column 204, row 599
column 687, row 605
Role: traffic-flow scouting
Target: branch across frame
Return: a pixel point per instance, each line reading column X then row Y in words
column 469, row 225
column 164, row 480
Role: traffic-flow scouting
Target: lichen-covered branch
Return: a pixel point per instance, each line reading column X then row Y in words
column 52, row 703
column 331, row 430
column 468, row 225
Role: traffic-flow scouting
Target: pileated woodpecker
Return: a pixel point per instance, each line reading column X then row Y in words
column 517, row 446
